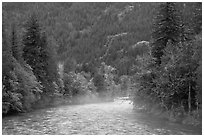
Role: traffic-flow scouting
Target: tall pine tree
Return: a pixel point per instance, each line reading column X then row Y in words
column 35, row 52
column 167, row 26
column 15, row 47
column 45, row 59
column 31, row 43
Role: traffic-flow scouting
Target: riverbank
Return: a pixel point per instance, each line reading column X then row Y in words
column 193, row 119
column 47, row 101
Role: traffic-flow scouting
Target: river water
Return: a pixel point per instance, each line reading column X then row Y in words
column 110, row 118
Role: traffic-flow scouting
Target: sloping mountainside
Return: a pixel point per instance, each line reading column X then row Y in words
column 88, row 33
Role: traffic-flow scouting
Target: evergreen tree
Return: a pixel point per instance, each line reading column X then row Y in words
column 47, row 64
column 167, row 26
column 16, row 51
column 32, row 43
column 36, row 52
column 43, row 59
column 197, row 18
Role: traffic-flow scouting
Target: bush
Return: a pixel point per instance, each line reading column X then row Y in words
column 98, row 81
column 77, row 84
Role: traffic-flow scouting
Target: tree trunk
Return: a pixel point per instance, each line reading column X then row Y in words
column 189, row 97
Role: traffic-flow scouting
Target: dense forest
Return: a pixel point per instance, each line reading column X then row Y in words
column 151, row 52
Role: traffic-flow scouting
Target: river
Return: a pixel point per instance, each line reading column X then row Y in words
column 110, row 118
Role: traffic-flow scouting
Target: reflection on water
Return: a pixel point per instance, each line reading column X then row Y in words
column 104, row 118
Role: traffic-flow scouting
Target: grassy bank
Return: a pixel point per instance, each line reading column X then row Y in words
column 175, row 115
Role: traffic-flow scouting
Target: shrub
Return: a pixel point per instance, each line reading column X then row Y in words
column 98, row 81
column 77, row 84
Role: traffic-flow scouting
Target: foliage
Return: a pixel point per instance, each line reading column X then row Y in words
column 11, row 97
column 78, row 85
column 125, row 85
column 79, row 31
column 29, row 87
column 70, row 65
column 104, row 81
column 20, row 89
column 197, row 18
column 173, row 84
column 167, row 26
column 98, row 80
column 16, row 49
column 31, row 40
column 38, row 55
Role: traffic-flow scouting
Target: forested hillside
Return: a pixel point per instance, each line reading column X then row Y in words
column 149, row 51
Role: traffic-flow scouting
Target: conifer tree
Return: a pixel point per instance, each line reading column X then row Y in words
column 47, row 65
column 35, row 52
column 167, row 26
column 16, row 51
column 31, row 43
column 197, row 18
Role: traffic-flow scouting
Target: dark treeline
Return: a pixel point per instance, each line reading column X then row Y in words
column 84, row 51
